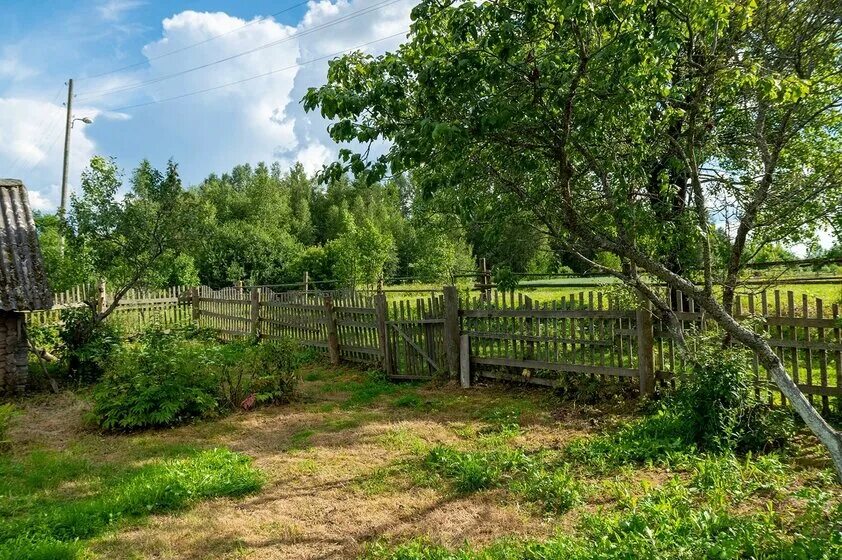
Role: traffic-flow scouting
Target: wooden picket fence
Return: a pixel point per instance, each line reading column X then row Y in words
column 504, row 336
column 137, row 309
column 492, row 335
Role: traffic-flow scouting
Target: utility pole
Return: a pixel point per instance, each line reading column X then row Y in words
column 62, row 209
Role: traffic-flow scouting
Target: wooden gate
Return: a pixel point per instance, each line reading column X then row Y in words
column 415, row 339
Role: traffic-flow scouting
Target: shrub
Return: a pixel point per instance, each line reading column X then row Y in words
column 169, row 375
column 720, row 409
column 88, row 344
column 158, row 382
column 261, row 373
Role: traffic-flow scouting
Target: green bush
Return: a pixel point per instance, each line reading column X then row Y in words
column 714, row 410
column 719, row 406
column 88, row 344
column 158, row 383
column 169, row 375
column 260, row 373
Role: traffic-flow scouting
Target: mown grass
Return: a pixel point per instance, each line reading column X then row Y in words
column 53, row 501
column 644, row 492
column 672, row 522
column 583, row 483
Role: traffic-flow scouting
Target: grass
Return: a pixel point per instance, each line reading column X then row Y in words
column 54, row 501
column 829, row 293
column 671, row 522
column 526, row 476
column 364, row 468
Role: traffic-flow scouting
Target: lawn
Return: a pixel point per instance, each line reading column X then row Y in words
column 830, row 293
column 361, row 468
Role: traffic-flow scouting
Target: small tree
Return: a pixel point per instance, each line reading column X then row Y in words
column 132, row 238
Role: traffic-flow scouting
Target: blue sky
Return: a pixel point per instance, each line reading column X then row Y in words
column 44, row 43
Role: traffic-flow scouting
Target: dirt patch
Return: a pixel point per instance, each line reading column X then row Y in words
column 52, row 421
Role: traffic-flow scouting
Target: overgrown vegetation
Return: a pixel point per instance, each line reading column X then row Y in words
column 666, row 523
column 40, row 521
column 87, row 344
column 527, row 476
column 715, row 409
column 169, row 376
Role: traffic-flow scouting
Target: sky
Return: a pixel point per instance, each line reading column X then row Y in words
column 128, row 58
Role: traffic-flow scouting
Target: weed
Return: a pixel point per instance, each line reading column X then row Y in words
column 719, row 406
column 656, row 439
column 301, row 439
column 373, row 385
column 556, row 490
column 524, row 475
column 666, row 523
column 408, row 401
column 7, row 412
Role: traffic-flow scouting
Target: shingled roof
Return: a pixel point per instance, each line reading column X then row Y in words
column 23, row 280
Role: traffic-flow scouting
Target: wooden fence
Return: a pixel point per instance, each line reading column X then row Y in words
column 503, row 336
column 135, row 310
column 494, row 335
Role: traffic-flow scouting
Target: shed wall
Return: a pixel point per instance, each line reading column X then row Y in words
column 13, row 353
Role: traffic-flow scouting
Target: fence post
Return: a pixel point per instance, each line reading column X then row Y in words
column 530, row 343
column 100, row 296
column 255, row 312
column 451, row 329
column 380, row 311
column 645, row 347
column 306, row 281
column 465, row 360
column 194, row 296
column 332, row 333
column 486, row 281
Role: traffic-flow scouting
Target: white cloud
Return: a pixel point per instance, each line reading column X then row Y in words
column 113, row 10
column 257, row 120
column 38, row 201
column 32, row 143
column 313, row 156
column 311, row 128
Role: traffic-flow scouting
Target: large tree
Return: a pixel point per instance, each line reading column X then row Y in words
column 625, row 126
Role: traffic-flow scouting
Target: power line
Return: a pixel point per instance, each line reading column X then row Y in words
column 303, row 33
column 202, row 42
column 298, row 65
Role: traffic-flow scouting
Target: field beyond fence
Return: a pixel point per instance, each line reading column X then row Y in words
column 495, row 334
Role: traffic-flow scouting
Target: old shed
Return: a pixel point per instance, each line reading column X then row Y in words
column 23, row 282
